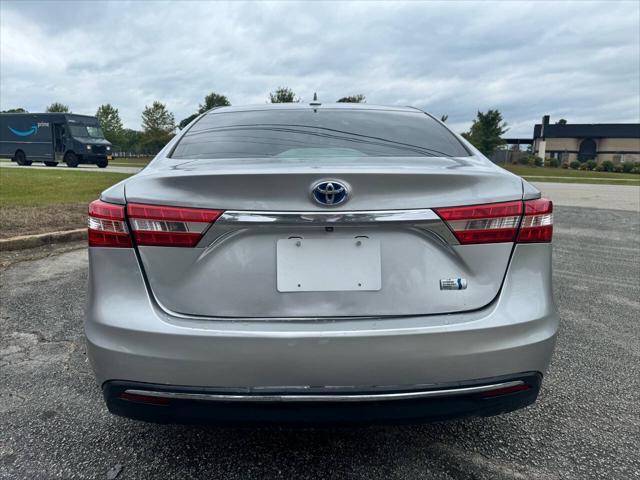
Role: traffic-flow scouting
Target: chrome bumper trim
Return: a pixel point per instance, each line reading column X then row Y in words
column 321, row 218
column 323, row 397
column 424, row 221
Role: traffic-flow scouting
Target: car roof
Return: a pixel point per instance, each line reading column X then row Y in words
column 313, row 106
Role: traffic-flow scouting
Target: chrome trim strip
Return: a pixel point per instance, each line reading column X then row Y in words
column 325, row 397
column 316, row 218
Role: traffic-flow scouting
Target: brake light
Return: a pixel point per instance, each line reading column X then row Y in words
column 155, row 225
column 501, row 222
column 107, row 226
column 537, row 223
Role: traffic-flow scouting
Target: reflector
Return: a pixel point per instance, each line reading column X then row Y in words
column 506, row 390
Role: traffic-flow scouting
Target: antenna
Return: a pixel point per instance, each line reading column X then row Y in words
column 315, row 101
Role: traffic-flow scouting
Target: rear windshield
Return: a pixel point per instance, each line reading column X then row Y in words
column 325, row 132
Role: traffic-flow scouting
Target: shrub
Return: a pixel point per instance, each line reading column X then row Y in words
column 583, row 166
column 607, row 166
column 523, row 160
column 627, row 167
column 554, row 163
column 592, row 164
column 635, row 170
column 599, row 168
column 574, row 165
column 565, row 164
column 618, row 169
column 538, row 161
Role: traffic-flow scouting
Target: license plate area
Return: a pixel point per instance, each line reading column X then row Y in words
column 328, row 265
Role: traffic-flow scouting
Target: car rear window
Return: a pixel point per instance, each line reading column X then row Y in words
column 323, row 132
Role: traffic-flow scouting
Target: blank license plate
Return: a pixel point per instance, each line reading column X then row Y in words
column 328, row 265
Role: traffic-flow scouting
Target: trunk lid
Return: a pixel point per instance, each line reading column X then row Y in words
column 236, row 269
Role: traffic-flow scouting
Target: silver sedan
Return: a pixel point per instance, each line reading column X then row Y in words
column 319, row 263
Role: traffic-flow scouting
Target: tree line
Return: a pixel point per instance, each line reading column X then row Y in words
column 159, row 126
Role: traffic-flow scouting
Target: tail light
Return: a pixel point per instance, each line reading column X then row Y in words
column 169, row 226
column 501, row 222
column 537, row 223
column 107, row 226
column 150, row 225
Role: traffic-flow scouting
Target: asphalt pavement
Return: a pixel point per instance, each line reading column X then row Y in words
column 585, row 425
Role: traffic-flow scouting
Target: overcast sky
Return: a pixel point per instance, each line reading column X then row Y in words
column 576, row 60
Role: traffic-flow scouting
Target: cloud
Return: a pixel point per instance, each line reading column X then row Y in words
column 579, row 61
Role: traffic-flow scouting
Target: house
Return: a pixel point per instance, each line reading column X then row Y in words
column 617, row 142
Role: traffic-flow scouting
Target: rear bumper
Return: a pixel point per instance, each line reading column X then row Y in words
column 132, row 342
column 170, row 404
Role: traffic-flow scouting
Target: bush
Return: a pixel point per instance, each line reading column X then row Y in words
column 574, row 165
column 565, row 164
column 591, row 164
column 554, row 163
column 607, row 166
column 538, row 161
column 599, row 168
column 523, row 160
column 618, row 169
column 583, row 166
column 627, row 167
column 635, row 170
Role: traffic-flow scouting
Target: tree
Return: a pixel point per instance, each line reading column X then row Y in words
column 562, row 121
column 186, row 121
column 213, row 100
column 486, row 132
column 109, row 119
column 210, row 101
column 131, row 141
column 58, row 107
column 158, row 126
column 15, row 110
column 357, row 98
column 284, row 95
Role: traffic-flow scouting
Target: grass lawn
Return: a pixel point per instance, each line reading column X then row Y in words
column 561, row 175
column 38, row 201
column 130, row 162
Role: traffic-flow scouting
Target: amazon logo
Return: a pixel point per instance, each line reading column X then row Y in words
column 32, row 131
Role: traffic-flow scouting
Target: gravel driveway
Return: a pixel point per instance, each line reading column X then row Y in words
column 585, row 425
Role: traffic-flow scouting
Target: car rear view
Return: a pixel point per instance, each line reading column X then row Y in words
column 315, row 263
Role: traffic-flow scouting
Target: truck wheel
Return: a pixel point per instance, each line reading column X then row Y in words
column 21, row 159
column 102, row 163
column 71, row 159
column 51, row 164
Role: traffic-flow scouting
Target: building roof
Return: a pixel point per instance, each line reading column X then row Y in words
column 592, row 130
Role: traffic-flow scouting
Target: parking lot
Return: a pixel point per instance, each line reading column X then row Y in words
column 53, row 423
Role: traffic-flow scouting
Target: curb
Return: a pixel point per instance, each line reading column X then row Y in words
column 32, row 241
